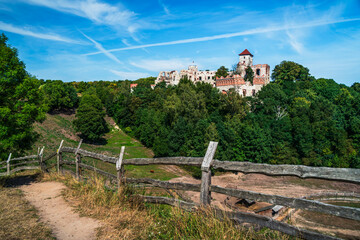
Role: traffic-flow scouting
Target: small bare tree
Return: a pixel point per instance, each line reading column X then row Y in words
column 280, row 112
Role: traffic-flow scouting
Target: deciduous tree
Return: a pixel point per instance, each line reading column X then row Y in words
column 20, row 102
column 90, row 120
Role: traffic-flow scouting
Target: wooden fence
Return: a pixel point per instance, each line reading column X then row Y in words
column 206, row 188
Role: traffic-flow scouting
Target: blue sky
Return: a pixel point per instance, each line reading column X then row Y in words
column 87, row 40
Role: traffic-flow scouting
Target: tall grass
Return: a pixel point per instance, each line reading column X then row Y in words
column 122, row 215
column 125, row 216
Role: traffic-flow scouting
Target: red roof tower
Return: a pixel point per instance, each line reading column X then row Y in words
column 246, row 52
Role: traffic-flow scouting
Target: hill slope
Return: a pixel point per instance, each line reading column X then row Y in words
column 59, row 126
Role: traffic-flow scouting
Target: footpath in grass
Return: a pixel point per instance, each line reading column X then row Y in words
column 59, row 127
column 18, row 219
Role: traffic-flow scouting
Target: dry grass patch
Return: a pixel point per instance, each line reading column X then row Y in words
column 18, row 219
column 204, row 224
column 124, row 217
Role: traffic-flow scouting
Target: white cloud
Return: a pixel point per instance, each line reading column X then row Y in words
column 294, row 42
column 22, row 31
column 94, row 10
column 165, row 8
column 102, row 49
column 162, row 65
column 125, row 41
column 129, row 75
column 237, row 34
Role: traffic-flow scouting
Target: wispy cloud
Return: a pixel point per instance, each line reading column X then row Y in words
column 94, row 10
column 25, row 32
column 165, row 8
column 161, row 65
column 102, row 49
column 237, row 34
column 294, row 42
column 129, row 75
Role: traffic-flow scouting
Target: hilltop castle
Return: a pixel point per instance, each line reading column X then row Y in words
column 235, row 81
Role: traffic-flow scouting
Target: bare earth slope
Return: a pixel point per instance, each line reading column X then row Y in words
column 47, row 198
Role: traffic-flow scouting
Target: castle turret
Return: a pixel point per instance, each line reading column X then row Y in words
column 246, row 58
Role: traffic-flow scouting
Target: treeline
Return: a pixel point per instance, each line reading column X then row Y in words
column 296, row 119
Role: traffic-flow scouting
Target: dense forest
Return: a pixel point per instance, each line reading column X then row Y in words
column 296, row 119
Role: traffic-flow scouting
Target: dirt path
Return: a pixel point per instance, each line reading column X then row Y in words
column 46, row 197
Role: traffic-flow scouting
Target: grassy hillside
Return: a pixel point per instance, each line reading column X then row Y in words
column 58, row 126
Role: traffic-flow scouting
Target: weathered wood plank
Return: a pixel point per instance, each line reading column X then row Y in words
column 169, row 201
column 67, row 162
column 41, row 158
column 209, row 156
column 59, row 156
column 49, row 157
column 165, row 184
column 20, row 169
column 8, row 165
column 78, row 147
column 340, row 174
column 77, row 167
column 85, row 153
column 24, row 158
column 109, row 175
column 205, row 194
column 119, row 169
column 268, row 222
column 22, row 163
column 78, row 161
column 193, row 161
column 340, row 211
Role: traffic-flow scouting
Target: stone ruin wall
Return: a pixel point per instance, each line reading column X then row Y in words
column 236, row 82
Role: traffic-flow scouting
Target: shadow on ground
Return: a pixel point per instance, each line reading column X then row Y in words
column 19, row 180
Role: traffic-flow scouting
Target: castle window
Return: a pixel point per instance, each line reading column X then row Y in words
column 208, row 77
column 253, row 92
column 258, row 72
column 244, row 92
column 200, row 78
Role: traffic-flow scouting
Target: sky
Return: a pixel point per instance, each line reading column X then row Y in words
column 89, row 40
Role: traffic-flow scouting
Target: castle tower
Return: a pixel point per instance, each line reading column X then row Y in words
column 246, row 58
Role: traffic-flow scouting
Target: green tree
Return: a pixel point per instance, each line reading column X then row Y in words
column 222, row 72
column 59, row 95
column 288, row 71
column 90, row 120
column 249, row 75
column 20, row 102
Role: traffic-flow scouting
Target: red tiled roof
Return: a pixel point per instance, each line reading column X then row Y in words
column 246, row 52
column 132, row 85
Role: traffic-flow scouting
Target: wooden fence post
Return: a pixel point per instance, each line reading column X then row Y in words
column 40, row 156
column 77, row 161
column 119, row 168
column 205, row 194
column 8, row 165
column 59, row 156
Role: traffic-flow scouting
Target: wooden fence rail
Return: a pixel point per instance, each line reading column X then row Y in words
column 339, row 174
column 205, row 188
